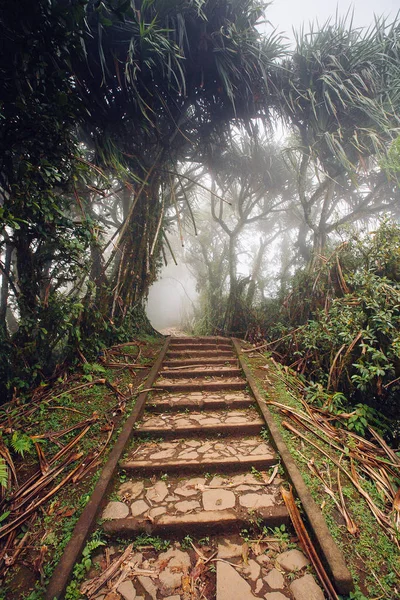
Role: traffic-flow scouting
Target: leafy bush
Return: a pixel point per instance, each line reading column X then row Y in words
column 342, row 326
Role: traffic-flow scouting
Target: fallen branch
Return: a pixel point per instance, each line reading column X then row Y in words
column 306, row 543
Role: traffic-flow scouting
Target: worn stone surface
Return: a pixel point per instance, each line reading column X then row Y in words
column 178, row 564
column 229, row 550
column 205, row 450
column 230, row 585
column 292, row 560
column 190, row 488
column 115, row 510
column 275, row 580
column 139, row 507
column 162, row 454
column 263, row 559
column 157, row 511
column 127, row 590
column 254, row 501
column 149, row 587
column 176, row 597
column 218, row 499
column 252, row 570
column 131, row 489
column 275, row 596
column 158, row 492
column 187, row 505
column 306, row 588
column 112, row 596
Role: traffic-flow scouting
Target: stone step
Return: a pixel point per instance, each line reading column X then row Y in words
column 233, row 423
column 201, row 372
column 226, row 521
column 194, row 455
column 203, row 346
column 198, row 401
column 181, row 341
column 199, row 385
column 194, row 504
column 219, row 354
column 186, row 362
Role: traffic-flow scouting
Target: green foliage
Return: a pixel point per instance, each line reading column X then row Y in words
column 145, row 539
column 81, row 568
column 3, row 473
column 347, row 320
column 21, row 443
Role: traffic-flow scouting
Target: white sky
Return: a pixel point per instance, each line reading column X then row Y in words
column 286, row 14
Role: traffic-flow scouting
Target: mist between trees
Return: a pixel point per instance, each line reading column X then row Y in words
column 122, row 122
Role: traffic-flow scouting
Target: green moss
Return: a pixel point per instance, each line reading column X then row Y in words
column 371, row 556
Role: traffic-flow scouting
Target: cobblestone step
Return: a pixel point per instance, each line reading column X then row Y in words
column 227, row 347
column 192, row 386
column 210, row 371
column 194, row 455
column 199, row 400
column 219, row 354
column 200, row 361
column 223, row 422
column 225, row 502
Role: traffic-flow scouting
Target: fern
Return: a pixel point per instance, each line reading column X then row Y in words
column 21, row 443
column 3, row 473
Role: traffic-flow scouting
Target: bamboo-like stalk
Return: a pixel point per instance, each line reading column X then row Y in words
column 307, row 544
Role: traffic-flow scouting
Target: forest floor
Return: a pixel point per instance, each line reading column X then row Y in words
column 65, row 410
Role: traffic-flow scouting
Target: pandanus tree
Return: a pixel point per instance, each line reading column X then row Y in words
column 339, row 94
column 253, row 185
column 162, row 81
column 124, row 89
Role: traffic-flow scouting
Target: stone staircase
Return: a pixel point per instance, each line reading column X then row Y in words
column 198, row 464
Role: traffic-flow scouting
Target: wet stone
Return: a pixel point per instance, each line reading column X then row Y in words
column 127, row 590
column 188, row 455
column 115, row 510
column 178, row 564
column 229, row 550
column 131, row 489
column 254, row 501
column 261, row 449
column 138, row 507
column 163, row 454
column 263, row 559
column 205, row 448
column 157, row 511
column 187, row 505
column 190, row 487
column 230, row 585
column 306, row 588
column 148, row 585
column 218, row 499
column 252, row 570
column 218, row 481
column 275, row 580
column 158, row 492
column 292, row 560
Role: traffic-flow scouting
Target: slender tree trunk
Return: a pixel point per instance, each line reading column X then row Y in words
column 255, row 273
column 231, row 307
column 4, row 293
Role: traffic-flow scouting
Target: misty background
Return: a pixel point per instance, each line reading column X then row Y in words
column 172, row 298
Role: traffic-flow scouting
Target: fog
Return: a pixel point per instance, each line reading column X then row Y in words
column 285, row 15
column 172, row 297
